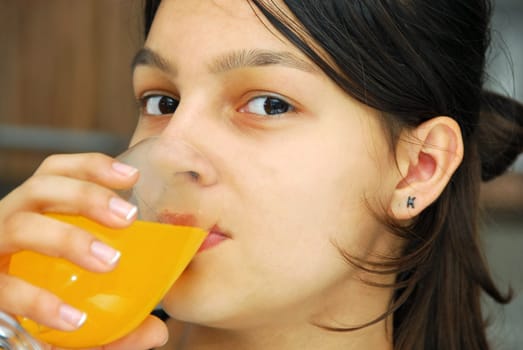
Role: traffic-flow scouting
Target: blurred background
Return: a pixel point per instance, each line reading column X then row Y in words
column 65, row 86
column 65, row 80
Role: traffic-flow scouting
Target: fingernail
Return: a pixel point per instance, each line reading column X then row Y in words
column 105, row 253
column 72, row 316
column 121, row 208
column 124, row 169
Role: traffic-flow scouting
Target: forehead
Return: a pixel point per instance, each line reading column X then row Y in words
column 216, row 25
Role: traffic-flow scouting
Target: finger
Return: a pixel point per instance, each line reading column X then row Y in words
column 57, row 239
column 152, row 333
column 21, row 298
column 50, row 193
column 93, row 167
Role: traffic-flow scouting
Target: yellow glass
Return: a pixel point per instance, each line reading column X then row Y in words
column 153, row 256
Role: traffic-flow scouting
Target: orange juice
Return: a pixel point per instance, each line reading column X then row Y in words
column 153, row 256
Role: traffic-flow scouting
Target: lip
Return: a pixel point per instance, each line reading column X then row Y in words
column 215, row 234
column 214, row 237
column 177, row 219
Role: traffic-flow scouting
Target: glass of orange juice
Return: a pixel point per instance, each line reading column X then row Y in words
column 153, row 256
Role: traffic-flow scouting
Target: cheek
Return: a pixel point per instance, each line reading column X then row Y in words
column 302, row 205
column 148, row 127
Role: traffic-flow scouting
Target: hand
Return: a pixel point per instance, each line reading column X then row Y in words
column 150, row 334
column 68, row 184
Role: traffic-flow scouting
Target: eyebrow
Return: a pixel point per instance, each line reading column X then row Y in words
column 259, row 58
column 147, row 57
column 229, row 61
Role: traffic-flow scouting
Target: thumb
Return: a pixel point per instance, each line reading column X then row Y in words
column 150, row 334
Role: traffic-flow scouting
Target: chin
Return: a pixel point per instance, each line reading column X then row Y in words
column 214, row 309
column 193, row 299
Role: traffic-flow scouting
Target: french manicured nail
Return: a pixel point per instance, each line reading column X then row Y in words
column 121, row 208
column 105, row 253
column 124, row 169
column 72, row 316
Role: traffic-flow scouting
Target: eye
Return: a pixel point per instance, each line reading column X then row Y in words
column 158, row 104
column 267, row 105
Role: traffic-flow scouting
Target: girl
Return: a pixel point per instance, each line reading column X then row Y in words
column 341, row 145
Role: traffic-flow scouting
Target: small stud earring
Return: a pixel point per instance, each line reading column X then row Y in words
column 410, row 202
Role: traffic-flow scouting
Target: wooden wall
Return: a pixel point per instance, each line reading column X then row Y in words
column 65, row 64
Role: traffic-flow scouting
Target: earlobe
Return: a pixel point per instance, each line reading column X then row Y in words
column 427, row 157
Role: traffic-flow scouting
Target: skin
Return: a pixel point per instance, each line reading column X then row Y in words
column 288, row 189
column 292, row 182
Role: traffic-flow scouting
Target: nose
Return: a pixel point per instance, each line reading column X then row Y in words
column 178, row 159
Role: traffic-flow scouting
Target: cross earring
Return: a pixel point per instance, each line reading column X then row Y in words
column 410, row 202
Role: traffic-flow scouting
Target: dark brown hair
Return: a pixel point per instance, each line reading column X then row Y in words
column 414, row 60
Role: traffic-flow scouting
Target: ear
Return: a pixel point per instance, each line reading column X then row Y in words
column 426, row 157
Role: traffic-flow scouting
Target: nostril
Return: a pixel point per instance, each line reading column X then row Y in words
column 194, row 175
column 177, row 159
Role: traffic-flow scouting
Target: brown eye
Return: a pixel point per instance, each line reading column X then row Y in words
column 159, row 105
column 274, row 105
column 268, row 105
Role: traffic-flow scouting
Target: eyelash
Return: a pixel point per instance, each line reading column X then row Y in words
column 166, row 105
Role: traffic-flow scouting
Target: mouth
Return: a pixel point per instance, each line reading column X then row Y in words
column 215, row 234
column 214, row 237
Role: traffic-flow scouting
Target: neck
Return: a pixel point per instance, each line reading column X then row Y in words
column 304, row 337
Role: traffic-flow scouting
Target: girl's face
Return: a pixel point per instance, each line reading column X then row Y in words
column 286, row 162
